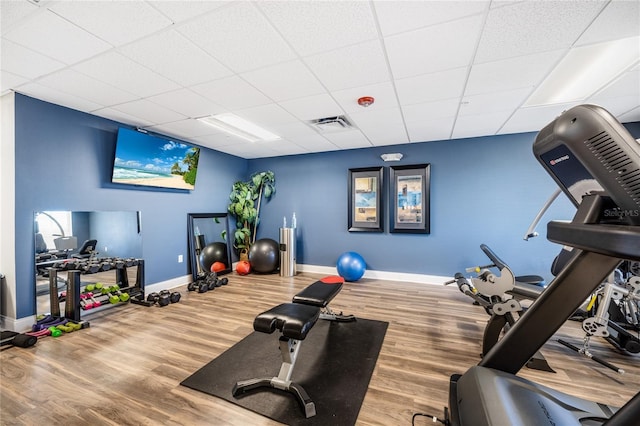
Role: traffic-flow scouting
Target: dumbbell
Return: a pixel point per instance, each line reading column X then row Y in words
column 96, row 303
column 164, row 297
column 69, row 327
column 161, row 298
column 223, row 281
column 84, row 304
column 48, row 322
column 51, row 331
column 193, row 286
column 90, row 268
column 116, row 295
column 174, row 296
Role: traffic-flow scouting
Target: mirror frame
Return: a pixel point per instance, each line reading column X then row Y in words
column 193, row 258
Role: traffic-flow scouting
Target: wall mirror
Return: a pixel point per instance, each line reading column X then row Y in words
column 208, row 243
column 75, row 237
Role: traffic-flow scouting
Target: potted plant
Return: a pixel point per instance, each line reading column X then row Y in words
column 244, row 206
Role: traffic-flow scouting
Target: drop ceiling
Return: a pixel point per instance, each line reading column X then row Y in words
column 438, row 70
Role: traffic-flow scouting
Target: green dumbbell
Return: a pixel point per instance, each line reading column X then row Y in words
column 115, row 291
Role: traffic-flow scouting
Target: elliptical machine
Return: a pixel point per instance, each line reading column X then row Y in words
column 500, row 294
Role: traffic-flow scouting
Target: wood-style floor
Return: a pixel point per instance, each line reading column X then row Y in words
column 127, row 367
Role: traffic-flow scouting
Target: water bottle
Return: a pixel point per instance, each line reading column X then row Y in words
column 293, row 220
column 284, row 221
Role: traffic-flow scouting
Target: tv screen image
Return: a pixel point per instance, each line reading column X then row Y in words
column 143, row 159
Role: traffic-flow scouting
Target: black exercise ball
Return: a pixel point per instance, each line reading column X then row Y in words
column 211, row 253
column 264, row 256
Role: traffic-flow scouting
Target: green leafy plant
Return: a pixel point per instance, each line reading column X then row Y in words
column 244, row 206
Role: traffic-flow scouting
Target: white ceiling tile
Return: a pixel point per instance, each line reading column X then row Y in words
column 11, row 12
column 149, row 112
column 51, row 35
column 434, row 54
column 530, row 27
column 173, row 56
column 114, row 114
column 508, row 100
column 57, row 97
column 348, row 139
column 313, row 107
column 620, row 19
column 284, row 81
column 283, row 147
column 532, row 119
column 400, row 16
column 25, row 62
column 417, row 113
column 631, row 116
column 386, row 134
column 627, row 85
column 479, row 124
column 383, row 93
column 248, row 150
column 182, row 10
column 315, row 143
column 188, row 128
column 188, row 103
column 356, row 65
column 9, row 81
column 267, row 116
column 117, row 22
column 430, row 129
column 297, row 131
column 122, row 72
column 232, row 93
column 217, row 140
column 318, row 26
column 431, row 87
column 239, row 36
column 618, row 105
column 369, row 118
column 83, row 86
column 512, row 73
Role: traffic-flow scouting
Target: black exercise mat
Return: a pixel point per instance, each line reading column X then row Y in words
column 334, row 366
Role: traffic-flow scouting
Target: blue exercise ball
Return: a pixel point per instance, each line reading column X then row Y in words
column 351, row 266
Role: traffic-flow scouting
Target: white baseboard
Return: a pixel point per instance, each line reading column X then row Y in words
column 20, row 325
column 168, row 284
column 381, row 275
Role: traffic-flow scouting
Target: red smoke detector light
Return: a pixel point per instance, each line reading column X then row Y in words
column 365, row 101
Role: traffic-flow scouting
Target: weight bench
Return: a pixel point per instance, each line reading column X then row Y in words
column 294, row 321
column 320, row 294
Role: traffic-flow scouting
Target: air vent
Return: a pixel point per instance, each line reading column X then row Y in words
column 331, row 124
column 616, row 160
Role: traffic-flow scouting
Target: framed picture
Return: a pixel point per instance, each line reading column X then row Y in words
column 365, row 199
column 409, row 187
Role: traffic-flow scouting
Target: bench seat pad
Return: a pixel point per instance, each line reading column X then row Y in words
column 293, row 319
column 320, row 293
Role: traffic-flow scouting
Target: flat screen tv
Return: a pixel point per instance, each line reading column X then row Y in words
column 143, row 159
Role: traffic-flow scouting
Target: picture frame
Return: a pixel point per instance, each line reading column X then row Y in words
column 410, row 198
column 365, row 201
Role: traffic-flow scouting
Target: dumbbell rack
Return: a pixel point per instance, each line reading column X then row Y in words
column 72, row 308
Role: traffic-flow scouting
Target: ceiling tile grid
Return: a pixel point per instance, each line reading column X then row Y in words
column 438, row 70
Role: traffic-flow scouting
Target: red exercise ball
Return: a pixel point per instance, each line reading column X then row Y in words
column 243, row 267
column 218, row 266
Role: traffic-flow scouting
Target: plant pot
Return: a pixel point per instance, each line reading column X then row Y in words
column 244, row 254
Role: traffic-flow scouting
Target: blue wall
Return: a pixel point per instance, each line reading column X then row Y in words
column 483, row 190
column 63, row 162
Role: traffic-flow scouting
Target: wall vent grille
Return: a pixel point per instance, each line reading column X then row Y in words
column 616, row 160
